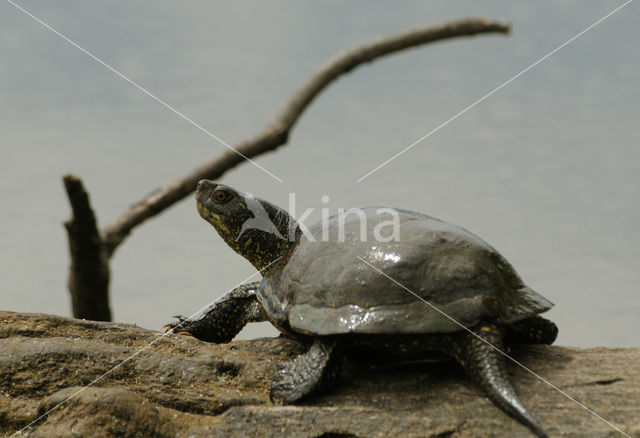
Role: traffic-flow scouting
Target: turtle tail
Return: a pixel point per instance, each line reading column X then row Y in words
column 486, row 366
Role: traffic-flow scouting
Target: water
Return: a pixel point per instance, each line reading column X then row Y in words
column 546, row 170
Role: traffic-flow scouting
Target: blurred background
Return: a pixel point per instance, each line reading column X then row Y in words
column 547, row 170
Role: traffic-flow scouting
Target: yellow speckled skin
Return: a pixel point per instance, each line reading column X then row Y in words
column 259, row 247
column 476, row 349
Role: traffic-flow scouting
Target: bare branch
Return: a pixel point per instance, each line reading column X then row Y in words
column 277, row 132
column 89, row 271
column 378, row 47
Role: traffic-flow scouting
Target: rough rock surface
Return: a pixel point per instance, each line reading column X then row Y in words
column 181, row 387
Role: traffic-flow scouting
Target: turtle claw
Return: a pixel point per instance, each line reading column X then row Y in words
column 185, row 334
column 177, row 324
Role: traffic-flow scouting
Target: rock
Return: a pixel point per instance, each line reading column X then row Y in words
column 177, row 386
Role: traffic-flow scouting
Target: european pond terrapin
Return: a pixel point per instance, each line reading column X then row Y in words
column 432, row 286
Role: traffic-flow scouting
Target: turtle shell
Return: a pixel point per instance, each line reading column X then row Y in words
column 438, row 277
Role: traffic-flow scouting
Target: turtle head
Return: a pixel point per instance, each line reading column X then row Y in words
column 256, row 229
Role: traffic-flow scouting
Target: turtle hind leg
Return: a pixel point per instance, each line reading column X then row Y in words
column 316, row 369
column 535, row 330
column 486, row 367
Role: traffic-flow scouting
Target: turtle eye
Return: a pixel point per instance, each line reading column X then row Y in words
column 221, row 196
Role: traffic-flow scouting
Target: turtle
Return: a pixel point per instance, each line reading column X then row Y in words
column 427, row 286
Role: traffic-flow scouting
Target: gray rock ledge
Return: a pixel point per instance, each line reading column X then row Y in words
column 182, row 387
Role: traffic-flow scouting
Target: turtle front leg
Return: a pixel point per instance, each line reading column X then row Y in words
column 318, row 368
column 222, row 321
column 486, row 366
